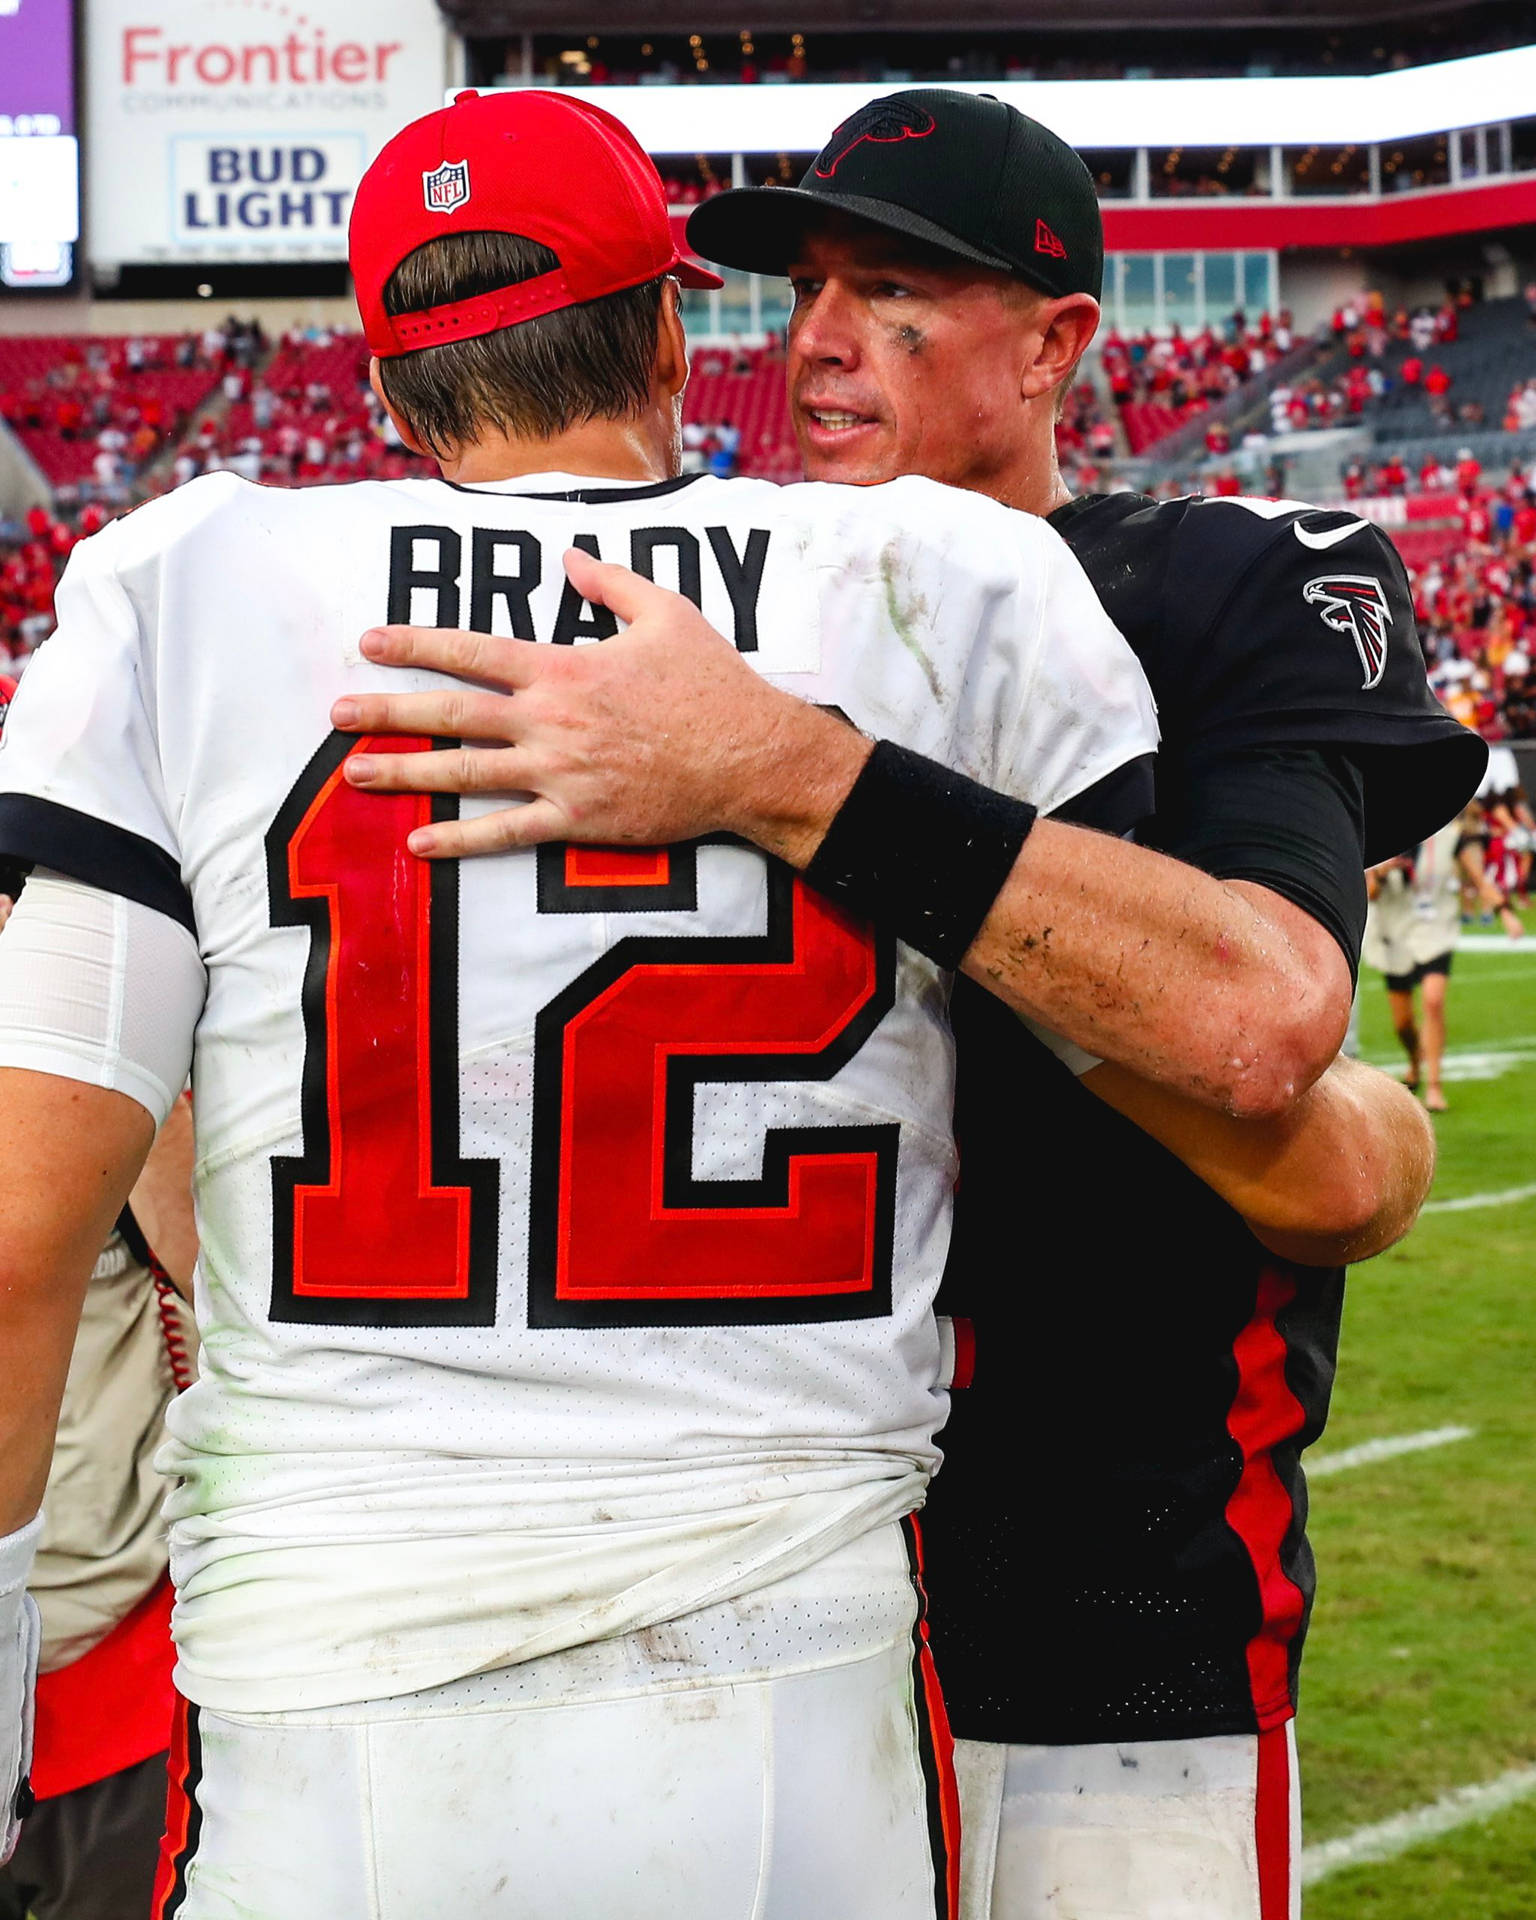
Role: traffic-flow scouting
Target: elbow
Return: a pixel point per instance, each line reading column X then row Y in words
column 1285, row 1051
column 1360, row 1214
column 1368, row 1199
column 1345, row 1219
column 1282, row 1068
column 1395, row 1187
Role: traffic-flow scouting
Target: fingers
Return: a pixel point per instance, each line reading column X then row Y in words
column 460, row 713
column 500, row 832
column 623, row 592
column 473, row 656
column 457, row 770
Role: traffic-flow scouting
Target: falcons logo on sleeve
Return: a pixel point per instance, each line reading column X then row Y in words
column 1354, row 603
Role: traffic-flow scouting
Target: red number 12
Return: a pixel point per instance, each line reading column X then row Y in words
column 379, row 1222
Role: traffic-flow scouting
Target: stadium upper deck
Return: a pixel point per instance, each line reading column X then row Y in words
column 1059, row 42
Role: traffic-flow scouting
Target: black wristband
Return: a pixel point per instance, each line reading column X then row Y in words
column 920, row 850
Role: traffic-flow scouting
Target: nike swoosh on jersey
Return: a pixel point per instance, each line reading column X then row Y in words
column 1329, row 538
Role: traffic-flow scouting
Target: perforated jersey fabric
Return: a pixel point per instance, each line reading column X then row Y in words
column 1117, row 1537
column 512, row 1341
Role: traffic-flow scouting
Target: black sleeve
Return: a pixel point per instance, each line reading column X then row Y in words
column 1121, row 803
column 1288, row 818
column 42, row 833
column 1297, row 629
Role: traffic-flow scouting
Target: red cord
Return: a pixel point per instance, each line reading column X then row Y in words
column 168, row 1301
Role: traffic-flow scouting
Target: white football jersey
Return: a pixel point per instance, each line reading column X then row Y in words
column 570, row 1219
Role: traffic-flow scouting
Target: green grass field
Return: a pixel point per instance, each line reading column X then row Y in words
column 1420, row 1673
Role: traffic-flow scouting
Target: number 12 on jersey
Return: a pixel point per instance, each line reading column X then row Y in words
column 380, row 1222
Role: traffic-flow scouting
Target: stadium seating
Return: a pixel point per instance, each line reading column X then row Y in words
column 1147, row 421
column 1162, row 380
column 745, row 389
column 1493, row 350
column 61, row 394
column 311, row 417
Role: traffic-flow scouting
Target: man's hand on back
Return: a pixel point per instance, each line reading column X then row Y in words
column 1224, row 992
column 661, row 734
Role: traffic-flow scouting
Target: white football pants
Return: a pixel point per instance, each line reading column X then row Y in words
column 781, row 1757
column 1205, row 1829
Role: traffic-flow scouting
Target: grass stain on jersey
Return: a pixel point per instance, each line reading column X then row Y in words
column 905, row 614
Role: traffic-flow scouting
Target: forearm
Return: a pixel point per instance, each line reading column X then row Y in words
column 161, row 1201
column 1338, row 1178
column 1238, row 1000
column 71, row 1152
column 1220, row 990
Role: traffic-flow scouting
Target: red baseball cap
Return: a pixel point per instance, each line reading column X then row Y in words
column 547, row 165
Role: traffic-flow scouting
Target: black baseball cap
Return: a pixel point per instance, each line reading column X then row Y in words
column 962, row 172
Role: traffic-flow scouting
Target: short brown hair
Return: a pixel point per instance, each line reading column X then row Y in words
column 591, row 362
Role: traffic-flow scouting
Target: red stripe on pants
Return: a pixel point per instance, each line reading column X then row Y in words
column 1265, row 1412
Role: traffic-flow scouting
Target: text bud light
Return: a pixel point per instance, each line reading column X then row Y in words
column 265, row 190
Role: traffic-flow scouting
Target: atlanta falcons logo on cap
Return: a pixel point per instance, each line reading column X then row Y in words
column 882, row 121
column 1354, row 603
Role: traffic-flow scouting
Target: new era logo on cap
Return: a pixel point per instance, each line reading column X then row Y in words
column 1047, row 243
column 446, row 187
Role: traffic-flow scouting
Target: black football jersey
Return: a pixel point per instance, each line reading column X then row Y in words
column 1116, row 1543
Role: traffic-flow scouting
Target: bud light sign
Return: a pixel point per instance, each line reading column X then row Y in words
column 248, row 193
column 224, row 130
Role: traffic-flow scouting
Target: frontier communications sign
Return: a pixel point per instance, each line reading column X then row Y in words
column 238, row 129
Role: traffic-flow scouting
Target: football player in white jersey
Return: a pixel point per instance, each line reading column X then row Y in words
column 541, row 1513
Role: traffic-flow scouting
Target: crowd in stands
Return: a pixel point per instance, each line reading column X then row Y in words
column 1157, row 380
column 1475, row 598
column 1364, row 331
column 99, row 412
column 306, row 414
column 711, row 446
column 309, row 416
column 32, row 556
column 1085, row 430
column 1394, row 478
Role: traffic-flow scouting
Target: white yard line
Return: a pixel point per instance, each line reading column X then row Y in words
column 1494, row 943
column 1515, row 1042
column 1490, row 1062
column 1387, row 1838
column 1471, row 1202
column 1370, row 1451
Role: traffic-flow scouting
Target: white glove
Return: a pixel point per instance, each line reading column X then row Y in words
column 20, row 1636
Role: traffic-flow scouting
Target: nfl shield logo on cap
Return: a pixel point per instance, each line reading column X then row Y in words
column 447, row 187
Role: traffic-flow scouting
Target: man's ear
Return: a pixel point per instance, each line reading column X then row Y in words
column 1065, row 329
column 671, row 342
column 401, row 427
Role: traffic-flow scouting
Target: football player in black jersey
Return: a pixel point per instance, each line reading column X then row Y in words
column 1117, row 1564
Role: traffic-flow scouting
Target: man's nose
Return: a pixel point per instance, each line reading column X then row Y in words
column 824, row 328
